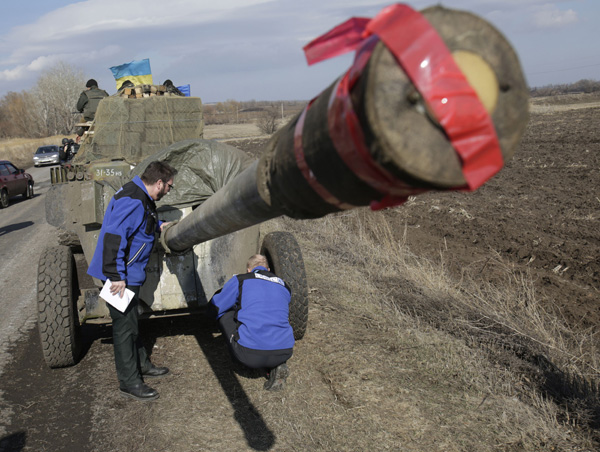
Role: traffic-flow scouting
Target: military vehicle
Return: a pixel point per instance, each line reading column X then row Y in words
column 128, row 133
column 439, row 106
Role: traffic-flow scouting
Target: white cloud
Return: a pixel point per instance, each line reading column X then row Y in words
column 15, row 73
column 221, row 39
column 549, row 16
column 37, row 65
column 93, row 17
column 130, row 14
column 100, row 29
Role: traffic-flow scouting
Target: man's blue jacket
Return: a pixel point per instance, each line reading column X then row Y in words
column 127, row 236
column 262, row 302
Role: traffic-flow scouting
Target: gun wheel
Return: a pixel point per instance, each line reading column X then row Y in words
column 285, row 260
column 57, row 293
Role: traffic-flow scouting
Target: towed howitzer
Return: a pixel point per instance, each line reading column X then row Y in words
column 395, row 125
column 433, row 101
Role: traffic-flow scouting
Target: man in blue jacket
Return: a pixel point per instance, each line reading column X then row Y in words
column 122, row 253
column 253, row 314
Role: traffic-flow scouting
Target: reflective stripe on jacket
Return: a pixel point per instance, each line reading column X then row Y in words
column 262, row 302
column 127, row 236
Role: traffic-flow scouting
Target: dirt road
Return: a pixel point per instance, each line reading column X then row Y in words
column 23, row 234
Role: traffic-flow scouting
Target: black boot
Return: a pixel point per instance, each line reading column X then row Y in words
column 155, row 372
column 277, row 377
column 139, row 392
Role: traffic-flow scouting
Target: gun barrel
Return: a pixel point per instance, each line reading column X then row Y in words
column 385, row 130
column 236, row 206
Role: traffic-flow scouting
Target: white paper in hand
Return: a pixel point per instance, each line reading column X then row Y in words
column 115, row 300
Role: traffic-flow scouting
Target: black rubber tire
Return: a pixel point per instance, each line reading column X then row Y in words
column 57, row 293
column 285, row 260
column 3, row 199
column 29, row 192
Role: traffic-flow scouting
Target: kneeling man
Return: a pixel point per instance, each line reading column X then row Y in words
column 253, row 314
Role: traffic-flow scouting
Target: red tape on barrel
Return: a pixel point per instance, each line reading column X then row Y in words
column 427, row 61
column 348, row 137
column 305, row 169
column 429, row 64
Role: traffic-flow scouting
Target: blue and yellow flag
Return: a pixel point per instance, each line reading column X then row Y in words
column 137, row 72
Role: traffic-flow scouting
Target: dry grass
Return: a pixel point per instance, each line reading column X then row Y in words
column 229, row 132
column 394, row 359
column 20, row 150
column 552, row 104
column 473, row 344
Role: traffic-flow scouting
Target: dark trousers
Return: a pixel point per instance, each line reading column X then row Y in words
column 131, row 358
column 255, row 359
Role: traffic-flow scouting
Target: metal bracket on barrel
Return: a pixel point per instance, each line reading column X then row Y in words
column 163, row 240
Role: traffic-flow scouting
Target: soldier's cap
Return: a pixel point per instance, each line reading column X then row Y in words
column 91, row 82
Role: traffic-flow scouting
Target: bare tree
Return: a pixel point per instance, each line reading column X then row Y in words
column 268, row 120
column 232, row 108
column 19, row 115
column 57, row 91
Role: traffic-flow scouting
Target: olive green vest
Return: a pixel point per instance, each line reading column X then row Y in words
column 94, row 95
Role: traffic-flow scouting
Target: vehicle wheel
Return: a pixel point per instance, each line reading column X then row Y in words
column 285, row 260
column 3, row 199
column 58, row 322
column 29, row 192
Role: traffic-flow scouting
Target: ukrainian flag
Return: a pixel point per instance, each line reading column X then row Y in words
column 137, row 72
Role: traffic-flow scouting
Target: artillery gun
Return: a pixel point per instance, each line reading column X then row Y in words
column 433, row 101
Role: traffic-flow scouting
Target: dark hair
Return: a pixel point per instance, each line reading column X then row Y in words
column 90, row 83
column 127, row 84
column 156, row 171
column 168, row 82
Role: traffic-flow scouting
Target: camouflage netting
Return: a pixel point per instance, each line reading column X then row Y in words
column 204, row 166
column 133, row 129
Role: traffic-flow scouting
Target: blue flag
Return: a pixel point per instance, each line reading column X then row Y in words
column 185, row 89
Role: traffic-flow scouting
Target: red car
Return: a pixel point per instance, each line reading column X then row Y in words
column 13, row 182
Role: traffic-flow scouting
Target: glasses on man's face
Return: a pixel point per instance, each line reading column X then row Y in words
column 171, row 187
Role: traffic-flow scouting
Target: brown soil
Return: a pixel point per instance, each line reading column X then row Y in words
column 541, row 212
column 362, row 379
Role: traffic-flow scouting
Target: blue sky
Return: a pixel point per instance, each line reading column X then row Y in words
column 252, row 49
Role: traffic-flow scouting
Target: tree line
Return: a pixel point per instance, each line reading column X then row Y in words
column 582, row 86
column 47, row 109
column 251, row 111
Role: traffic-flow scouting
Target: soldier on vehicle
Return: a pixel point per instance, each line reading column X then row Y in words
column 88, row 103
column 67, row 149
column 63, row 152
column 253, row 314
column 122, row 253
column 171, row 88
